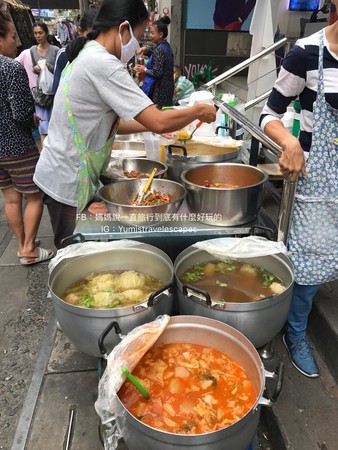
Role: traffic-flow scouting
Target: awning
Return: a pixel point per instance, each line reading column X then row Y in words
column 52, row 4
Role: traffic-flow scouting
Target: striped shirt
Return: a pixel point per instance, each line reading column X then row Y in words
column 299, row 78
column 185, row 86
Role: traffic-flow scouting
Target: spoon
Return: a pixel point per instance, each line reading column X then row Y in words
column 183, row 136
column 135, row 382
column 145, row 187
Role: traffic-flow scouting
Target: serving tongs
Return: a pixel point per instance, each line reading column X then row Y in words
column 145, row 188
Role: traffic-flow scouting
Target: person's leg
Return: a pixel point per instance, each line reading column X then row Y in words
column 31, row 218
column 13, row 212
column 62, row 218
column 301, row 304
column 295, row 340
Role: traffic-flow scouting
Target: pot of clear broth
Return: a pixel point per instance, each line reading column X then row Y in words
column 132, row 285
column 191, row 373
column 251, row 294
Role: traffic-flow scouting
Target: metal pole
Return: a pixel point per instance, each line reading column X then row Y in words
column 289, row 189
column 243, row 65
column 256, row 100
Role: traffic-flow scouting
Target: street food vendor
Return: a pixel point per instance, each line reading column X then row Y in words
column 96, row 98
column 309, row 71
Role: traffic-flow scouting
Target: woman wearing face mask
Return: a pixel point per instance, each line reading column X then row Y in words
column 158, row 82
column 95, row 92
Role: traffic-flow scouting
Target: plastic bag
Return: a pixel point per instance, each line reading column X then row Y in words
column 87, row 248
column 126, row 354
column 45, row 78
column 247, row 247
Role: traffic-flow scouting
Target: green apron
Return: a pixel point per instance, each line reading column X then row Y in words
column 91, row 163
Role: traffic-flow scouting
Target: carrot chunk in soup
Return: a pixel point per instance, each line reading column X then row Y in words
column 193, row 389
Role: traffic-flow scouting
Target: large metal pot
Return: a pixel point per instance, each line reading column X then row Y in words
column 83, row 326
column 180, row 158
column 204, row 331
column 258, row 321
column 141, row 165
column 118, row 197
column 225, row 206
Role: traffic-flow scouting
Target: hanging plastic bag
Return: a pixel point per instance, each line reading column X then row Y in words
column 247, row 247
column 126, row 354
column 45, row 78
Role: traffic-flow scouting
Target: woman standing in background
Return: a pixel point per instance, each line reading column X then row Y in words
column 159, row 73
column 43, row 50
column 18, row 152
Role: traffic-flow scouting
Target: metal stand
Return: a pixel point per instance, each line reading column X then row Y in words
column 267, row 351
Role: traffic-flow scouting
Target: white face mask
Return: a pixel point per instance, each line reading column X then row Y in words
column 128, row 50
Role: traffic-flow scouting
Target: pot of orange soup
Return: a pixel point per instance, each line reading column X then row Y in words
column 206, row 383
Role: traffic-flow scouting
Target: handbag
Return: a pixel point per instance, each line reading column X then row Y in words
column 40, row 98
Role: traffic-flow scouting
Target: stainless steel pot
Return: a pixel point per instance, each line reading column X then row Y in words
column 119, row 195
column 225, row 206
column 180, row 158
column 258, row 321
column 204, row 331
column 83, row 326
column 141, row 165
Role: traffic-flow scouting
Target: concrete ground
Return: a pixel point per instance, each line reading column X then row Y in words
column 43, row 378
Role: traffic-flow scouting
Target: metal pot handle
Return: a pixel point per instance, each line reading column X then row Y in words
column 180, row 147
column 104, row 334
column 222, row 127
column 278, row 374
column 187, row 287
column 258, row 230
column 153, row 295
column 73, row 239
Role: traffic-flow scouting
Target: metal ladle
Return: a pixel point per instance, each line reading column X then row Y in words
column 183, row 136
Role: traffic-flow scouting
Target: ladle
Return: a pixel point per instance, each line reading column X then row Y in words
column 145, row 187
column 135, row 382
column 183, row 136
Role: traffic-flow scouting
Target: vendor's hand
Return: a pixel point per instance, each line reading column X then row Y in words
column 205, row 113
column 141, row 50
column 139, row 68
column 292, row 161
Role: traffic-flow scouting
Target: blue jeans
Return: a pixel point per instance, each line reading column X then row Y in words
column 301, row 304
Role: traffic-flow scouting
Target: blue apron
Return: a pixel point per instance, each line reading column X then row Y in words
column 313, row 239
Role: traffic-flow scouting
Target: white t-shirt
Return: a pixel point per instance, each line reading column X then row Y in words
column 100, row 89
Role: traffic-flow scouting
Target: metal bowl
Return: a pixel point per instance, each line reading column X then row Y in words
column 119, row 195
column 232, row 206
column 139, row 165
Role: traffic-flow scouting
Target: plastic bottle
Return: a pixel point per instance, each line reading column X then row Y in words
column 220, row 121
column 296, row 119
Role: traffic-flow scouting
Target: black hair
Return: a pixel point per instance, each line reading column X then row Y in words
column 41, row 25
column 178, row 69
column 5, row 22
column 162, row 25
column 86, row 20
column 110, row 15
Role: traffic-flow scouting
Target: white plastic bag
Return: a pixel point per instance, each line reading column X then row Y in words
column 247, row 247
column 87, row 248
column 45, row 78
column 126, row 354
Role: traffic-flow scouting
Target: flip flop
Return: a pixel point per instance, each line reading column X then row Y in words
column 44, row 255
column 37, row 242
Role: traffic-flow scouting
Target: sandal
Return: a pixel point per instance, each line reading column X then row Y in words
column 44, row 255
column 37, row 242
